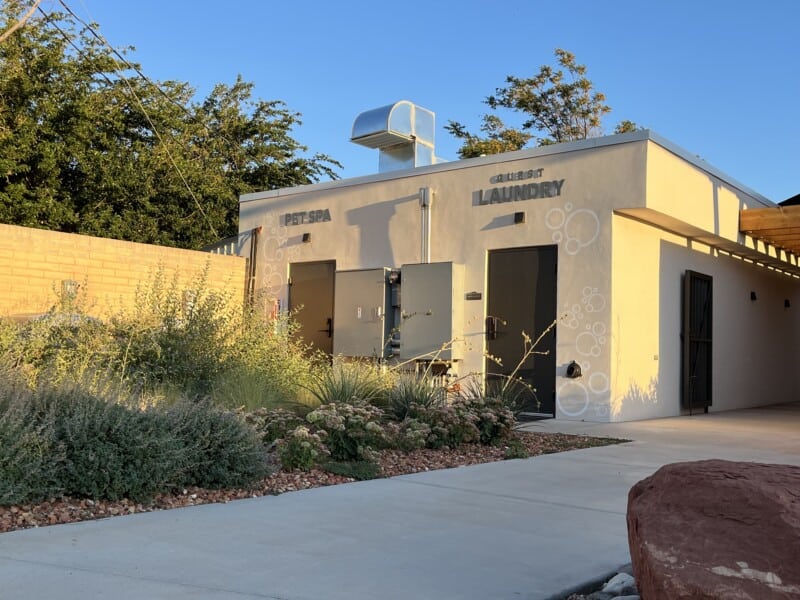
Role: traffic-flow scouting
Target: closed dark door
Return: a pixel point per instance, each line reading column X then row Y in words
column 522, row 302
column 311, row 291
column 696, row 338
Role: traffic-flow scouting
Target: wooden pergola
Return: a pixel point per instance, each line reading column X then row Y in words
column 778, row 226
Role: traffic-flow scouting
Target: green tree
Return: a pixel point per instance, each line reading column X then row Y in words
column 89, row 146
column 558, row 105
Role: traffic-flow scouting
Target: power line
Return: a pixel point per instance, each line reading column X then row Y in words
column 124, row 79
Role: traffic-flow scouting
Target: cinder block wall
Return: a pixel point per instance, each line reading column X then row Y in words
column 34, row 262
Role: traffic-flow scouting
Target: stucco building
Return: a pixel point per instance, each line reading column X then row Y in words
column 663, row 302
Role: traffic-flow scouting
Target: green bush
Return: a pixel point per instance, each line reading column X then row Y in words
column 66, row 440
column 113, row 452
column 94, row 447
column 493, row 420
column 174, row 342
column 451, row 425
column 268, row 366
column 515, row 449
column 353, row 430
column 175, row 335
column 273, row 424
column 221, row 449
column 411, row 392
column 301, row 449
column 361, row 470
column 410, row 434
column 203, row 342
column 58, row 347
column 29, row 457
column 347, row 382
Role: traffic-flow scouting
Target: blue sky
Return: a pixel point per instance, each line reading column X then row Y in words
column 720, row 78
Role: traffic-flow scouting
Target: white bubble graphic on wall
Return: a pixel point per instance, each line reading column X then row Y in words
column 598, row 383
column 272, row 248
column 590, row 341
column 592, row 300
column 572, row 316
column 588, row 395
column 572, row 399
column 576, row 228
column 601, row 411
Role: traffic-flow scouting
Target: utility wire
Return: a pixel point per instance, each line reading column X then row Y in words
column 124, row 79
column 68, row 39
column 19, row 23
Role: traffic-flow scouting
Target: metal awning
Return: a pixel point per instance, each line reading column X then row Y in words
column 777, row 226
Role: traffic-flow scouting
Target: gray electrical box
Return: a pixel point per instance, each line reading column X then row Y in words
column 432, row 311
column 362, row 302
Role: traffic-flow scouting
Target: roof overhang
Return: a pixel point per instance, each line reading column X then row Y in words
column 751, row 248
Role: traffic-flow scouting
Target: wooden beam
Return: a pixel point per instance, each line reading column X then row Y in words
column 778, row 227
column 779, row 217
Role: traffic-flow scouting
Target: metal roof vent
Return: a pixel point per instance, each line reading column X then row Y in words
column 402, row 132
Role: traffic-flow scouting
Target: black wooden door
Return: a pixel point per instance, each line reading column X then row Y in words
column 696, row 340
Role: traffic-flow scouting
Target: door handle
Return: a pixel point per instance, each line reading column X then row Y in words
column 329, row 328
column 492, row 324
column 491, row 328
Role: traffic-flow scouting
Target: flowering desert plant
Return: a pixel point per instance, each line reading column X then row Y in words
column 354, row 430
column 450, row 425
column 272, row 424
column 301, row 449
column 410, row 434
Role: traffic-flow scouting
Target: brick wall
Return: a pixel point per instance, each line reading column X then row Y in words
column 34, row 263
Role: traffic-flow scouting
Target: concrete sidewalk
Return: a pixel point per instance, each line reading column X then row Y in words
column 517, row 529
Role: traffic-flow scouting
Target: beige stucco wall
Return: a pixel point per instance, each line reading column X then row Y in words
column 695, row 196
column 34, row 262
column 378, row 224
column 755, row 343
column 618, row 279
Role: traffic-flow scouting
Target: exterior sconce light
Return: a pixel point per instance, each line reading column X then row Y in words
column 519, row 217
column 306, row 238
column 753, row 297
column 786, row 303
column 573, row 370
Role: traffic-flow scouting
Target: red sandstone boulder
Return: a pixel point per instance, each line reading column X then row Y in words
column 716, row 529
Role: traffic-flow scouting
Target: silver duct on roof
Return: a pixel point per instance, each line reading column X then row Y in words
column 402, row 132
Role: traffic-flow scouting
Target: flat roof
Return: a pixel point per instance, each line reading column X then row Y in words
column 589, row 143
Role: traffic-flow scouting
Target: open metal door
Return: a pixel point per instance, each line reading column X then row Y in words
column 311, row 291
column 696, row 339
column 522, row 300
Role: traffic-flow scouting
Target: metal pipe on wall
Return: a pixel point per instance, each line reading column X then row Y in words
column 425, row 203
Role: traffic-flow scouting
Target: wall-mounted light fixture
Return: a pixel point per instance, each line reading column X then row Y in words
column 573, row 370
column 519, row 217
column 306, row 238
column 753, row 296
column 786, row 303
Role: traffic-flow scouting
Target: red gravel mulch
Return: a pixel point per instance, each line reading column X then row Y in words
column 392, row 463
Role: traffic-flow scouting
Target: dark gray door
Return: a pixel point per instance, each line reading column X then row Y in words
column 311, row 291
column 522, row 301
column 696, row 337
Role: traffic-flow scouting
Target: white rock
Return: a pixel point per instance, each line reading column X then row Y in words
column 617, row 583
